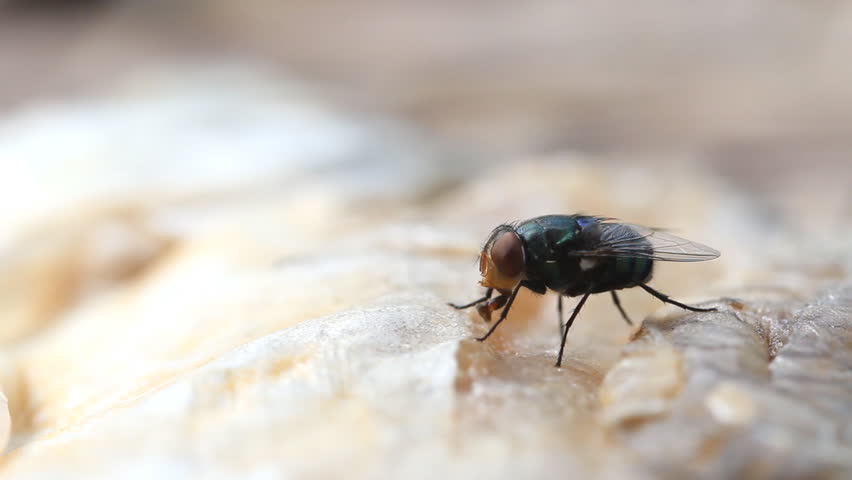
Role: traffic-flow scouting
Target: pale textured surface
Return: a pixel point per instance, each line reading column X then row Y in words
column 264, row 294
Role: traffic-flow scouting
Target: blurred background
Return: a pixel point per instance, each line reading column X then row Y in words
column 181, row 179
column 758, row 91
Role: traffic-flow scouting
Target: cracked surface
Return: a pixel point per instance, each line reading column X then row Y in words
column 291, row 320
column 740, row 410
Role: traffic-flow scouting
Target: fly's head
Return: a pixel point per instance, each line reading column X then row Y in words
column 502, row 262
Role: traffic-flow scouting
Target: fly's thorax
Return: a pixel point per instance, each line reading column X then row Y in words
column 502, row 262
column 556, row 274
column 549, row 242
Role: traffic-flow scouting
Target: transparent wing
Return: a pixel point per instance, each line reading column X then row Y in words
column 628, row 240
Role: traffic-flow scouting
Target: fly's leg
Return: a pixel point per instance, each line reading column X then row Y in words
column 504, row 312
column 486, row 309
column 665, row 299
column 559, row 309
column 475, row 302
column 617, row 302
column 568, row 326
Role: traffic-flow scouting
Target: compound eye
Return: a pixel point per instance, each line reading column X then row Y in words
column 507, row 253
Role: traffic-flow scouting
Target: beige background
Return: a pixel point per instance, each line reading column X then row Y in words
column 228, row 231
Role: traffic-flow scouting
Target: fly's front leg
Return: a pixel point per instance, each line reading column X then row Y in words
column 568, row 326
column 485, row 310
column 475, row 302
column 509, row 301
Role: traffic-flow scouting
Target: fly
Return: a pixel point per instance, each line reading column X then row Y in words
column 576, row 256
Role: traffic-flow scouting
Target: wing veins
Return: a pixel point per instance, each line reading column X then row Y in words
column 629, row 240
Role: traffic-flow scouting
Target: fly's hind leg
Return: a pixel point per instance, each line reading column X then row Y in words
column 559, row 309
column 665, row 299
column 617, row 303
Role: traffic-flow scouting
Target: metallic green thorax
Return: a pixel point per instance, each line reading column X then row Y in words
column 551, row 246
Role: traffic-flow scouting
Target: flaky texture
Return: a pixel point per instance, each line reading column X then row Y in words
column 278, row 308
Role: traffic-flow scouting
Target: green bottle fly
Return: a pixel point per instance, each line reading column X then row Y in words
column 576, row 256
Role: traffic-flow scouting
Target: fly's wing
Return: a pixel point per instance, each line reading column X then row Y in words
column 628, row 240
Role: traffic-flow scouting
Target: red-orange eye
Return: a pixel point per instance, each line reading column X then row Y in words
column 507, row 253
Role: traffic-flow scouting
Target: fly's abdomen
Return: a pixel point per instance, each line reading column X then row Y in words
column 633, row 270
column 617, row 273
